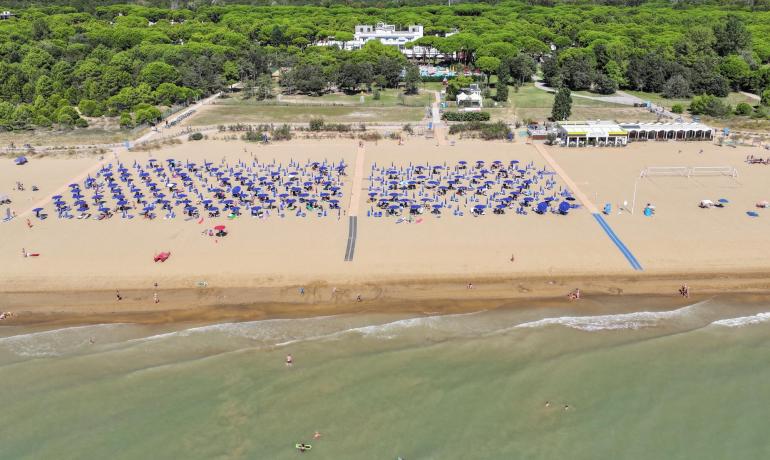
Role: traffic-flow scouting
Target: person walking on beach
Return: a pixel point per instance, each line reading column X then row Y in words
column 155, row 298
column 117, row 294
column 301, row 291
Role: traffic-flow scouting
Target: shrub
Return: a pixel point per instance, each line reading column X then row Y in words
column 376, row 95
column 465, row 116
column 487, row 131
column 676, row 86
column 370, row 136
column 251, row 136
column 760, row 112
column 709, row 105
column 283, row 133
column 90, row 108
column 604, row 84
column 339, row 127
column 743, row 109
column 126, row 121
column 316, row 124
column 677, row 108
column 195, row 137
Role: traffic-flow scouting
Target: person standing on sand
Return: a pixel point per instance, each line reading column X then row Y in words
column 513, row 258
column 117, row 294
column 155, row 298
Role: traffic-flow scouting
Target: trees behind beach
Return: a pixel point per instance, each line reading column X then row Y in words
column 60, row 65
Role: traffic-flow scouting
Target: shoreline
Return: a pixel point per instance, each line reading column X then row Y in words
column 183, row 305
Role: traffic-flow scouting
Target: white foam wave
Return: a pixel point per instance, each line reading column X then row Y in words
column 635, row 320
column 389, row 330
column 743, row 320
column 55, row 342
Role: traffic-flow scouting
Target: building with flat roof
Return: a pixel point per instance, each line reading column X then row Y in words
column 667, row 131
column 387, row 34
column 582, row 133
column 611, row 133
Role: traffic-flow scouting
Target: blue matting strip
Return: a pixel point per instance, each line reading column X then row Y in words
column 623, row 249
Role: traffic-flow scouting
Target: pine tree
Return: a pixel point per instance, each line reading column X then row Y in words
column 562, row 104
column 412, row 79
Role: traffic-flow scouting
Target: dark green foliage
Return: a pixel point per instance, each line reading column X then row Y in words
column 465, row 116
column 108, row 58
column 562, row 104
column 676, row 87
column 677, row 108
column 251, row 136
column 743, row 109
column 709, row 105
column 283, row 133
column 731, row 36
column 487, row 131
column 604, row 84
column 197, row 136
column 411, row 79
column 317, row 124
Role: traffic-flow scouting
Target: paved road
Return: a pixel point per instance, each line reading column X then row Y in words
column 751, row 96
column 350, row 249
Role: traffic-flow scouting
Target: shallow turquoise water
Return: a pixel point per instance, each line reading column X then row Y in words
column 690, row 383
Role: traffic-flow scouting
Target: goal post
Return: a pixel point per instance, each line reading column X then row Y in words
column 688, row 171
column 677, row 171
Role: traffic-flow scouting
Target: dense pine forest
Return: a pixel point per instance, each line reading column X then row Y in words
column 62, row 65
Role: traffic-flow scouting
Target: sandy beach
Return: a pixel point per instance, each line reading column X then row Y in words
column 258, row 269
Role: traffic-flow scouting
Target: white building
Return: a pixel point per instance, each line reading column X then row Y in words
column 388, row 35
column 6, row 15
column 385, row 33
column 470, row 99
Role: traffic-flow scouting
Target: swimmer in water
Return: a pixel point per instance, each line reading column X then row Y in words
column 566, row 407
column 289, row 360
column 548, row 404
column 317, row 435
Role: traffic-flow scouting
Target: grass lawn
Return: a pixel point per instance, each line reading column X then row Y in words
column 536, row 104
column 388, row 98
column 227, row 112
column 732, row 99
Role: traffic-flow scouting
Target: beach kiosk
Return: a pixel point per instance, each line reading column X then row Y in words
column 591, row 133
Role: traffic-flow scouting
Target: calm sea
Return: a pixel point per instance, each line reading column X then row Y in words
column 688, row 383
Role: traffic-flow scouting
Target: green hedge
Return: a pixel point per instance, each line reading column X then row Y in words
column 465, row 116
column 487, row 131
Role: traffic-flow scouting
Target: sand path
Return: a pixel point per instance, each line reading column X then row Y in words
column 567, row 180
column 438, row 128
column 358, row 178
